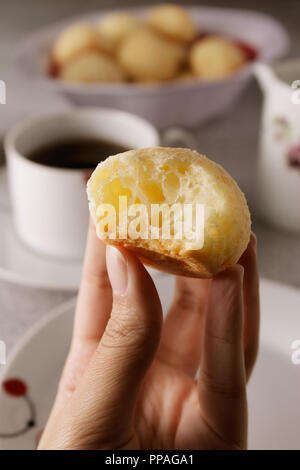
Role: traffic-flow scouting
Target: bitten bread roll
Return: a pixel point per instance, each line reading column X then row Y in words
column 154, row 176
column 148, row 57
column 92, row 67
column 215, row 58
column 75, row 40
column 173, row 21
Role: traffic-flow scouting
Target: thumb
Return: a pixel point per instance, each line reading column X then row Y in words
column 110, row 387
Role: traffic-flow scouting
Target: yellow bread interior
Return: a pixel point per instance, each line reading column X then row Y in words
column 168, row 175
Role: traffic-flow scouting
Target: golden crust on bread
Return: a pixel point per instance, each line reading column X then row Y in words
column 74, row 41
column 158, row 259
column 216, row 57
column 146, row 56
column 116, row 26
column 161, row 175
column 92, row 67
column 173, row 21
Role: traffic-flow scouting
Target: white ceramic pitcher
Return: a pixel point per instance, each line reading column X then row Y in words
column 278, row 195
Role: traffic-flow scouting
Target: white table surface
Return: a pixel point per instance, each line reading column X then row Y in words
column 231, row 141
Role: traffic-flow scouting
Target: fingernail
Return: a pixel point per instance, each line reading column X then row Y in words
column 117, row 271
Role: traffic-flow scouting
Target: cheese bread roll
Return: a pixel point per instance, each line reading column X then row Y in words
column 173, row 21
column 148, row 57
column 163, row 189
column 75, row 40
column 216, row 58
column 116, row 26
column 92, row 67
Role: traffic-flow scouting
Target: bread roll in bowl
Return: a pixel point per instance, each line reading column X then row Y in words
column 92, row 67
column 158, row 175
column 215, row 57
column 173, row 21
column 75, row 40
column 116, row 26
column 146, row 56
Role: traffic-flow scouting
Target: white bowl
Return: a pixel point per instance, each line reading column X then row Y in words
column 174, row 104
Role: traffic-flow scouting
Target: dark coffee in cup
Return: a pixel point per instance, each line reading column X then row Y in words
column 75, row 153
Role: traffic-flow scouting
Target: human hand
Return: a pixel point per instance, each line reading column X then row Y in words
column 129, row 379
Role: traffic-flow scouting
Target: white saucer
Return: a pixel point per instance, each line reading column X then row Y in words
column 273, row 391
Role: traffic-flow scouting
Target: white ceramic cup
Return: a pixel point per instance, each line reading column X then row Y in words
column 49, row 203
